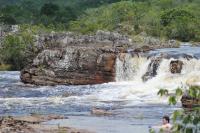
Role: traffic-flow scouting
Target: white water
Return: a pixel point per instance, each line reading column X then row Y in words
column 129, row 87
column 135, row 102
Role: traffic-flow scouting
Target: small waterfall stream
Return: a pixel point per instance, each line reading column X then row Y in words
column 159, row 69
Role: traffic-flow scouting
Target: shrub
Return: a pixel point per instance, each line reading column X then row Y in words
column 184, row 120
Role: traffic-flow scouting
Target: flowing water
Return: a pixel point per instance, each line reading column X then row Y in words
column 134, row 103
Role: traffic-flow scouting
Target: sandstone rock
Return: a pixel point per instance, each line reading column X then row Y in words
column 27, row 124
column 143, row 49
column 36, row 118
column 72, row 65
column 67, row 58
column 97, row 111
column 176, row 66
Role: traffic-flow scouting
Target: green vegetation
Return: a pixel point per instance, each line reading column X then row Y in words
column 46, row 12
column 171, row 19
column 161, row 18
column 184, row 120
column 166, row 19
column 18, row 50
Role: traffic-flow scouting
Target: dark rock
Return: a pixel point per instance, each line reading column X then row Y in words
column 188, row 57
column 143, row 49
column 176, row 66
column 152, row 69
column 189, row 102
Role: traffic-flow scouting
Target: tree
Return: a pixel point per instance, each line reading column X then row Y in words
column 171, row 15
column 6, row 19
column 49, row 9
column 185, row 120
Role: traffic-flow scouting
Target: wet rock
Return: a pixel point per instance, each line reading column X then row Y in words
column 36, row 118
column 143, row 49
column 69, row 94
column 66, row 58
column 97, row 111
column 189, row 102
column 176, row 66
column 71, row 65
column 152, row 69
column 188, row 57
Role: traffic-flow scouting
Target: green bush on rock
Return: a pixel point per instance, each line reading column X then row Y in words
column 13, row 51
column 184, row 120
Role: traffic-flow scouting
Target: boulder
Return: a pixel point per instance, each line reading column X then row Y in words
column 176, row 66
column 72, row 65
column 189, row 102
column 100, row 112
column 152, row 69
column 143, row 49
column 67, row 58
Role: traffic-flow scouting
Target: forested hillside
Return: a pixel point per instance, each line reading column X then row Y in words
column 174, row 19
column 45, row 12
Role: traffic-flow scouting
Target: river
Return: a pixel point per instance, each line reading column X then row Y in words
column 134, row 103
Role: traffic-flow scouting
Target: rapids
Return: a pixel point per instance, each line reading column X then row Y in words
column 135, row 103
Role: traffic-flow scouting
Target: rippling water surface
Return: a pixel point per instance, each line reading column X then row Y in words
column 77, row 101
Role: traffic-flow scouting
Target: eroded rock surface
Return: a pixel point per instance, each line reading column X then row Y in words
column 32, row 124
column 152, row 68
column 66, row 58
column 189, row 102
column 78, row 60
column 176, row 66
column 71, row 65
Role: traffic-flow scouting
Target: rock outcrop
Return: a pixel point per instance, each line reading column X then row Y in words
column 33, row 124
column 100, row 112
column 176, row 66
column 189, row 102
column 77, row 60
column 71, row 65
column 66, row 58
column 152, row 69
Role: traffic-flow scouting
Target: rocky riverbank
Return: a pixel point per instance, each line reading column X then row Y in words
column 65, row 58
column 33, row 124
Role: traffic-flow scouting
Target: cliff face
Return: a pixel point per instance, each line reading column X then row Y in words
column 71, row 65
column 65, row 58
column 78, row 60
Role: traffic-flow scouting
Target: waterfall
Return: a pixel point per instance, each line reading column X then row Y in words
column 129, row 68
column 157, row 70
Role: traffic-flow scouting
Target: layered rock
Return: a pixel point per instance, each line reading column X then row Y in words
column 66, row 58
column 152, row 69
column 33, row 124
column 77, row 60
column 71, row 65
